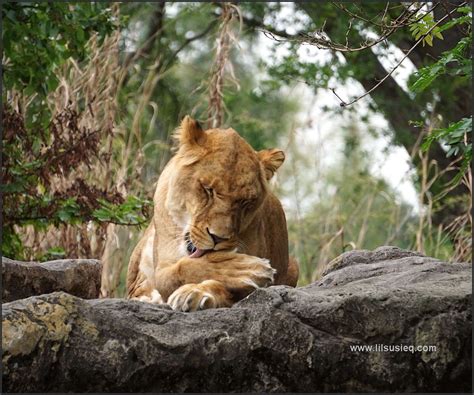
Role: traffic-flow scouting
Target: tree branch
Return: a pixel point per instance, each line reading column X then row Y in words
column 344, row 104
column 155, row 30
column 322, row 42
column 189, row 41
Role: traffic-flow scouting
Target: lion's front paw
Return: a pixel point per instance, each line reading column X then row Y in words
column 192, row 297
column 256, row 272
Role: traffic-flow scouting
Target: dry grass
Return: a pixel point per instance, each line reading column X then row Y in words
column 91, row 90
column 335, row 226
column 222, row 70
column 458, row 231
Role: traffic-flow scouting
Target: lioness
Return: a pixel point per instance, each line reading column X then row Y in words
column 217, row 231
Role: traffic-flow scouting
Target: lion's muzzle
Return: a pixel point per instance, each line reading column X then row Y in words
column 192, row 250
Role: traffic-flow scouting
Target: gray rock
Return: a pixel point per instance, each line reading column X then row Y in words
column 278, row 339
column 79, row 277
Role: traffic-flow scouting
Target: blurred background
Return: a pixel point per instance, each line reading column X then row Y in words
column 370, row 101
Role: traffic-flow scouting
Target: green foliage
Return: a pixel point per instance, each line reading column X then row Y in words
column 354, row 210
column 260, row 115
column 12, row 246
column 130, row 212
column 44, row 210
column 455, row 137
column 38, row 37
column 465, row 19
column 68, row 211
column 456, row 62
column 53, row 253
column 453, row 63
column 425, row 27
column 291, row 70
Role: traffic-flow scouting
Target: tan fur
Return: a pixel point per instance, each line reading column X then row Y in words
column 216, row 183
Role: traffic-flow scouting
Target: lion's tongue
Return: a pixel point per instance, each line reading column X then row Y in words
column 198, row 253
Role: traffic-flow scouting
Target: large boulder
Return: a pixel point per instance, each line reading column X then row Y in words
column 79, row 277
column 278, row 339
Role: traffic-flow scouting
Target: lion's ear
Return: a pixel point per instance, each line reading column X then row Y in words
column 190, row 132
column 271, row 159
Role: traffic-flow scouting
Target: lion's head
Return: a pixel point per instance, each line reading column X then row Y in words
column 217, row 186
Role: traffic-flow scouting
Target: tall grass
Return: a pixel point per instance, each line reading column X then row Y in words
column 352, row 209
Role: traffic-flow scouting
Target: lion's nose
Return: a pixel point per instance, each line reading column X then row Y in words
column 217, row 239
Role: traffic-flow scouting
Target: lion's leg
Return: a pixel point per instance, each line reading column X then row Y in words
column 235, row 276
column 292, row 273
column 145, row 292
column 140, row 276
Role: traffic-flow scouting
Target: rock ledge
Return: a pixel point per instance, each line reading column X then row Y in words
column 278, row 339
column 79, row 277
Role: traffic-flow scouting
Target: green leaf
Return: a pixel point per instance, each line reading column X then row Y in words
column 12, row 188
column 11, row 15
column 68, row 211
column 452, row 151
column 80, row 35
column 53, row 253
column 457, row 21
column 464, row 9
column 429, row 40
column 128, row 213
column 426, row 75
column 12, row 246
column 32, row 46
column 453, row 134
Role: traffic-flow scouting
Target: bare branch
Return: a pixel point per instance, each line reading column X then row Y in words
column 322, row 42
column 395, row 23
column 190, row 40
column 344, row 104
column 155, row 30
